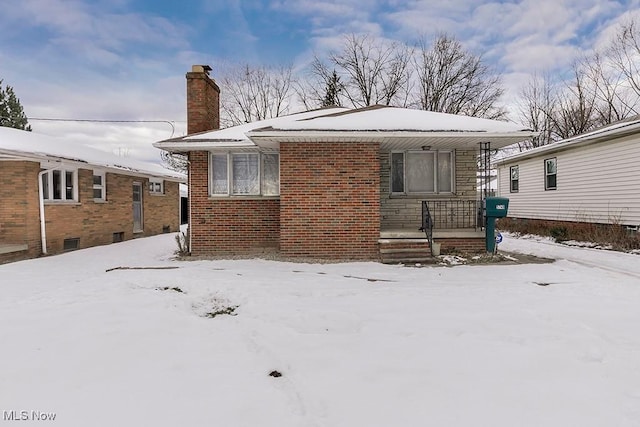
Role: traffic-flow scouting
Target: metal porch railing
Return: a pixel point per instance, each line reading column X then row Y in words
column 453, row 214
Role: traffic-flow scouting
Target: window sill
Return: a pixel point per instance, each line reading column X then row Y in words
column 157, row 194
column 61, row 203
column 100, row 201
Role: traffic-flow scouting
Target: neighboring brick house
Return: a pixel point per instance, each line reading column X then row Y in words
column 333, row 183
column 55, row 196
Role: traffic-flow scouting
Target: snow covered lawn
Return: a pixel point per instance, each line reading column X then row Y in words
column 357, row 344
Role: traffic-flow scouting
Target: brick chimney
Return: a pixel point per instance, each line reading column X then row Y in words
column 203, row 100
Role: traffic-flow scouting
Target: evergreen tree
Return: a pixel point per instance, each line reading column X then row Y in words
column 11, row 112
column 332, row 91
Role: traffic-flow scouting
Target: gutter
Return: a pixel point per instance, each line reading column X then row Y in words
column 43, row 226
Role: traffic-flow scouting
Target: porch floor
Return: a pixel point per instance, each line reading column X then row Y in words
column 454, row 233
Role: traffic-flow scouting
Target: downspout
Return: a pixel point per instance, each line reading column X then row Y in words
column 189, row 201
column 43, row 227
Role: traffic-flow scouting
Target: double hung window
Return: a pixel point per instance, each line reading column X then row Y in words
column 514, row 173
column 550, row 174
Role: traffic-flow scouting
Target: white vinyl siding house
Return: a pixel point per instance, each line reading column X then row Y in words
column 597, row 179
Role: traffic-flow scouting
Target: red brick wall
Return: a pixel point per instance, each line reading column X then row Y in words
column 330, row 200
column 228, row 225
column 203, row 103
column 93, row 222
column 462, row 245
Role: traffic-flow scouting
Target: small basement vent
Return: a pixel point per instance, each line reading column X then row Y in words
column 71, row 244
column 118, row 237
column 166, row 228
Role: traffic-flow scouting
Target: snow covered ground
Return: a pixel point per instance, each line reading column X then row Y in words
column 357, row 344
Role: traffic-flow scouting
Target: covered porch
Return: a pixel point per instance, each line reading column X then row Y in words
column 449, row 219
column 445, row 226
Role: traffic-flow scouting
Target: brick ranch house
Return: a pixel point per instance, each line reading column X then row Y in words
column 333, row 183
column 56, row 196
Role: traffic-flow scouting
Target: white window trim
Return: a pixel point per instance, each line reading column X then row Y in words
column 152, row 186
column 48, row 198
column 102, row 187
column 546, row 174
column 511, row 168
column 229, row 192
column 435, row 173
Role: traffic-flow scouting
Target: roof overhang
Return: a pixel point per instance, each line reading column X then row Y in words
column 184, row 146
column 50, row 161
column 608, row 133
column 394, row 139
column 390, row 140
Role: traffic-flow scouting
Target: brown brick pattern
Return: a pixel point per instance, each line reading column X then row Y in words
column 330, row 200
column 19, row 215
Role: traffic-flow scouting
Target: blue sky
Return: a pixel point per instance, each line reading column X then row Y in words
column 126, row 59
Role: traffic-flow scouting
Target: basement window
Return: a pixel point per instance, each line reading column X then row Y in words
column 422, row 172
column 71, row 244
column 244, row 174
column 60, row 185
column 118, row 237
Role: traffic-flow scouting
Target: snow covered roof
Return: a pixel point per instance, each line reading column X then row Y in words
column 15, row 143
column 393, row 119
column 236, row 136
column 391, row 126
column 619, row 129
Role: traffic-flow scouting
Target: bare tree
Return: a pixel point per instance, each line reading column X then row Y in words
column 624, row 52
column 535, row 108
column 371, row 70
column 255, row 93
column 174, row 161
column 454, row 80
column 575, row 111
column 614, row 100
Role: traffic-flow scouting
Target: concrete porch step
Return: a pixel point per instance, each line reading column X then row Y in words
column 405, row 250
column 401, row 250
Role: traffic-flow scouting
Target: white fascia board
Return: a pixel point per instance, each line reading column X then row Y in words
column 271, row 139
column 186, row 146
column 275, row 135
